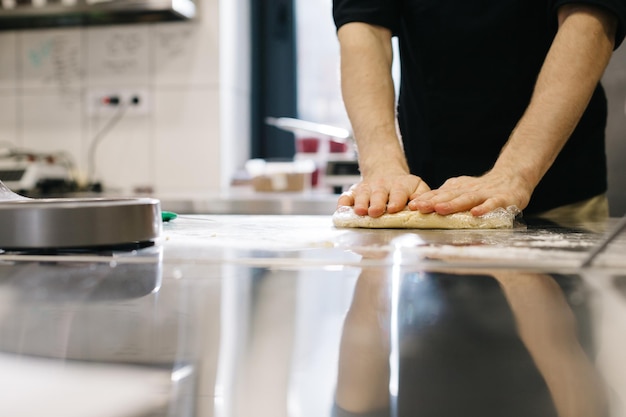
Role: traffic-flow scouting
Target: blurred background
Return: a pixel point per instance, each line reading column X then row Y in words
column 173, row 98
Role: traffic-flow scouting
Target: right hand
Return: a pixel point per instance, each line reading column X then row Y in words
column 375, row 196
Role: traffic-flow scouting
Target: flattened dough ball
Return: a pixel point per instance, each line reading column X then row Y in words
column 409, row 219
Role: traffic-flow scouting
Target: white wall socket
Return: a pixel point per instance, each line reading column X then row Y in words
column 101, row 102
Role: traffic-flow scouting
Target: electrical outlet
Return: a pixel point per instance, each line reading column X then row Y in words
column 109, row 101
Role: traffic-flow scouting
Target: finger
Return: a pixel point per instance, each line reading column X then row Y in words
column 423, row 206
column 457, row 182
column 422, row 189
column 463, row 202
column 397, row 200
column 428, row 202
column 346, row 199
column 378, row 202
column 488, row 206
column 361, row 200
column 427, row 195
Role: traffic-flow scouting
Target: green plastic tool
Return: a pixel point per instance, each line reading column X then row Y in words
column 166, row 216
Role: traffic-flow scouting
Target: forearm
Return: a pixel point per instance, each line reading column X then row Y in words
column 363, row 371
column 573, row 67
column 368, row 94
column 547, row 327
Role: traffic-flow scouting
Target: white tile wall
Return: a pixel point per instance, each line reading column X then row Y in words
column 190, row 49
column 8, row 63
column 51, row 122
column 118, row 55
column 123, row 159
column 8, row 89
column 8, row 120
column 51, row 60
column 187, row 156
column 47, row 77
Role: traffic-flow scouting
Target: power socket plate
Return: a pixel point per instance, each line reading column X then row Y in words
column 97, row 105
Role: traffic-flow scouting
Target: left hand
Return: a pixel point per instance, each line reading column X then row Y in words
column 479, row 195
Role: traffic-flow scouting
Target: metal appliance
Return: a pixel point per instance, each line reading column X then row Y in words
column 332, row 148
column 28, row 176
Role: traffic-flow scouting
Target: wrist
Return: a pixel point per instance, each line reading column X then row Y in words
column 378, row 167
column 523, row 160
column 517, row 177
column 382, row 159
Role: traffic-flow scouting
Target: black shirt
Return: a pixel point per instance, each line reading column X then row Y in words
column 468, row 72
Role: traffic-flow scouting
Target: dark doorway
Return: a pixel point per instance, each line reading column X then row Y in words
column 274, row 76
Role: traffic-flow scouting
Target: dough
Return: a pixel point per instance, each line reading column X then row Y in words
column 408, row 219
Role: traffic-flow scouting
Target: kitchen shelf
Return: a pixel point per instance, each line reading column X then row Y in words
column 20, row 15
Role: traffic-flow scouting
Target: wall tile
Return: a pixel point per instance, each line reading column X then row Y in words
column 122, row 156
column 118, row 55
column 8, row 63
column 185, row 54
column 51, row 123
column 51, row 60
column 8, row 120
column 186, row 135
column 47, row 77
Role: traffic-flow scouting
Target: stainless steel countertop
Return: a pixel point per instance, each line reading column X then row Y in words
column 243, row 200
column 266, row 315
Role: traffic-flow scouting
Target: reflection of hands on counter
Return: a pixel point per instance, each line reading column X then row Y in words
column 487, row 341
column 363, row 375
column 548, row 328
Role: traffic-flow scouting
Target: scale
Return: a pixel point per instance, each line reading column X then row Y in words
column 76, row 223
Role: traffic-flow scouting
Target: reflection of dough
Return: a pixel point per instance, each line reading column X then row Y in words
column 408, row 219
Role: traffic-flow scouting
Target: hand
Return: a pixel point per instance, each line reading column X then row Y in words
column 479, row 195
column 388, row 194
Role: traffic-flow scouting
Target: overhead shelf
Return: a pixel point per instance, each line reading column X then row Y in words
column 20, row 14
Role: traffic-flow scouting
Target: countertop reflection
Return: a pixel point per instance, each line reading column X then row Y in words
column 276, row 316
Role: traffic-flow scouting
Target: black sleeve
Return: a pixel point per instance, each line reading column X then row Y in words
column 383, row 13
column 617, row 7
